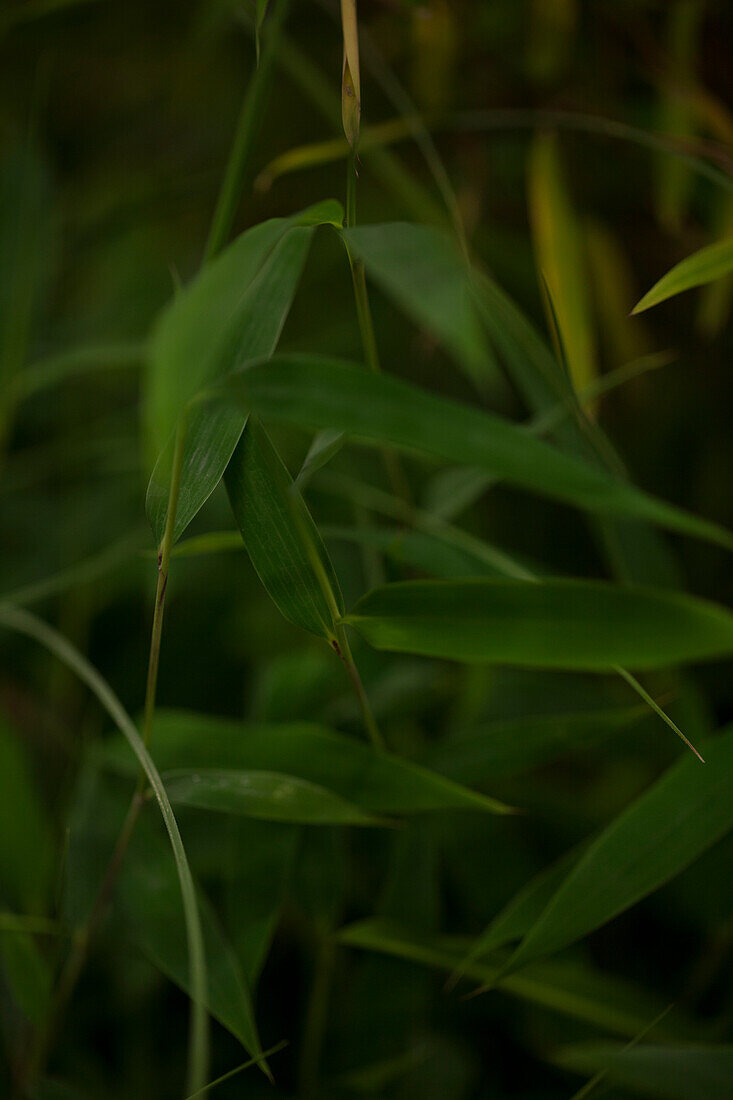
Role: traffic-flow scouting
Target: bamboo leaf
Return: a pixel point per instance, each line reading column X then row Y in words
column 657, row 837
column 275, row 524
column 233, row 310
column 426, row 276
column 684, row 1071
column 317, row 393
column 377, row 782
column 269, row 796
column 715, row 261
column 570, row 624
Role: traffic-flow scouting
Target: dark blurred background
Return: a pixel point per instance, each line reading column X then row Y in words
column 115, row 127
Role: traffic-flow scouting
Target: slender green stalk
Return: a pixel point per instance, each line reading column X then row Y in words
column 248, row 127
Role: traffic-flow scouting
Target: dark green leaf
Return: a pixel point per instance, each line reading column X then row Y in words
column 433, row 285
column 583, row 625
column 233, row 311
column 661, row 833
column 270, row 796
column 377, row 782
column 319, row 393
column 280, row 535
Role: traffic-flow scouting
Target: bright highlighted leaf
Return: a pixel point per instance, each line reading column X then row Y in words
column 713, row 262
column 270, row 796
column 661, row 833
column 376, row 782
column 570, row 624
column 318, row 393
column 560, row 259
column 280, row 535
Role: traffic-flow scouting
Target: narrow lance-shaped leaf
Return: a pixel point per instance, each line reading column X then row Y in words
column 233, row 311
column 375, row 781
column 269, row 796
column 570, row 624
column 661, row 833
column 426, row 276
column 274, row 521
column 317, row 393
column 715, row 261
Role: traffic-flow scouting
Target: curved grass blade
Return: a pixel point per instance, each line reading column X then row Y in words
column 263, row 498
column 318, row 393
column 375, row 781
column 657, row 837
column 25, row 623
column 568, row 624
column 715, row 261
column 269, row 796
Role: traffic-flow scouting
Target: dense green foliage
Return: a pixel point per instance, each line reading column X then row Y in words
column 366, row 558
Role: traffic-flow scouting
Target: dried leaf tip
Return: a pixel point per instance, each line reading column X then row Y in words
column 350, row 79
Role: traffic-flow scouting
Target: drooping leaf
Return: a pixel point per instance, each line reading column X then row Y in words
column 317, row 393
column 432, row 553
column 426, row 276
column 559, row 257
column 280, row 535
column 270, row 796
column 684, row 1071
column 568, row 988
column 570, row 624
column 654, row 839
column 377, row 782
column 234, row 310
column 715, row 261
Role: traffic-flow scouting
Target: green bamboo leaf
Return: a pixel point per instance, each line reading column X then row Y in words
column 434, row 554
column 27, row 975
column 377, row 782
column 570, row 624
column 568, row 988
column 684, row 1071
column 431, row 284
column 657, row 837
column 276, row 527
column 270, row 796
column 317, row 393
column 715, row 261
column 232, row 311
column 560, row 259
